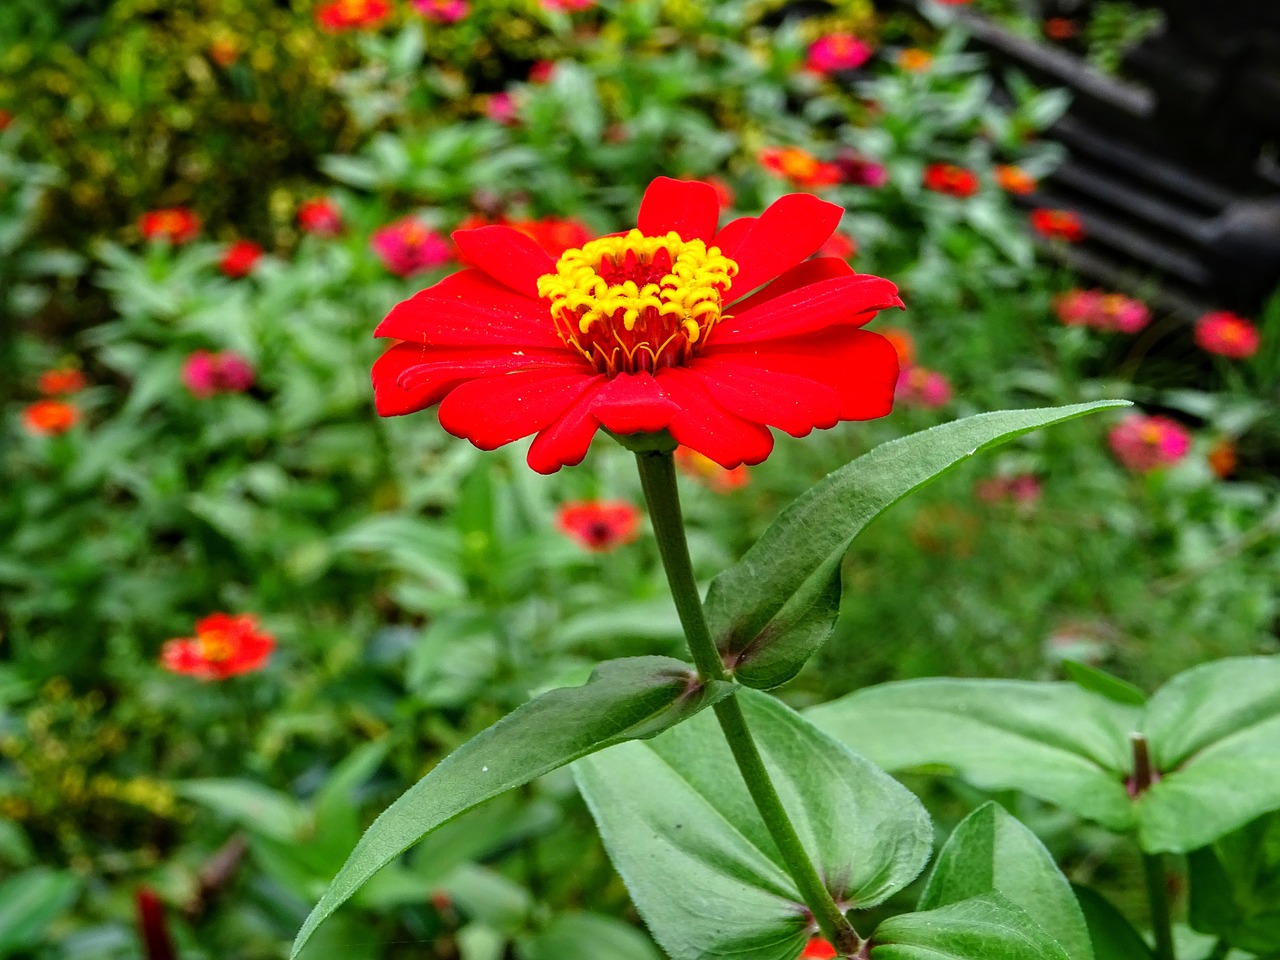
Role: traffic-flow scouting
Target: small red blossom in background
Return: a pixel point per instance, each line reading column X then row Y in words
column 709, row 473
column 915, row 60
column 542, row 71
column 224, row 51
column 1060, row 28
column 1015, row 180
column 1223, row 458
column 501, row 108
column 858, row 171
column 408, row 246
column 949, row 179
column 524, row 344
column 1022, row 488
column 1057, row 225
column 919, row 387
column 206, row 373
column 175, row 225
column 599, row 525
column 157, row 942
column 443, row 11
column 799, row 166
column 568, row 6
column 724, row 192
column 224, row 646
column 48, row 418
column 1109, row 312
column 1144, row 443
column 818, row 949
column 340, row 16
column 837, row 51
column 6, row 118
column 239, row 259
column 552, row 234
column 320, row 216
column 59, row 382
column 903, row 345
column 841, row 246
column 1227, row 335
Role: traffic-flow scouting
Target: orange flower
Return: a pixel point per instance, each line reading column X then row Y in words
column 1015, row 180
column 62, row 380
column 224, row 51
column 949, row 179
column 818, row 949
column 341, row 15
column 600, row 525
column 224, row 646
column 915, row 60
column 46, row 418
column 1057, row 225
column 902, row 344
column 175, row 225
column 1223, row 458
column 799, row 166
column 709, row 473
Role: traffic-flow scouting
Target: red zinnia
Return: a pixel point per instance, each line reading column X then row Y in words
column 61, row 381
column 710, row 473
column 818, row 949
column 239, row 259
column 1057, row 225
column 223, row 646
column 600, row 525
column 837, row 51
column 950, row 179
column 320, row 216
column 799, row 166
column 341, row 15
column 46, row 418
column 1145, row 443
column 174, row 225
column 638, row 333
column 1227, row 335
column 6, row 118
column 1015, row 180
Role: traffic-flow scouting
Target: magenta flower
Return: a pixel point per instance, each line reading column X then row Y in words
column 918, row 387
column 501, row 108
column 1110, row 312
column 1145, row 443
column 443, row 11
column 206, row 373
column 1227, row 335
column 1022, row 488
column 858, row 171
column 837, row 51
column 408, row 246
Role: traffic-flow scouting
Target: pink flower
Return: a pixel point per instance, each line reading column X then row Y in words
column 1023, row 488
column 837, row 51
column 858, row 171
column 443, row 11
column 408, row 246
column 1227, row 335
column 207, row 373
column 1111, row 312
column 568, row 6
column 1144, row 443
column 501, row 108
column 918, row 387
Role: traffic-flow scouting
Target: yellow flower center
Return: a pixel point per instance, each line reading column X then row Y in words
column 215, row 646
column 636, row 303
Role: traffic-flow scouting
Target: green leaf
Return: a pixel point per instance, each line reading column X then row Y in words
column 1104, row 684
column 1235, row 886
column 624, row 700
column 991, row 852
column 255, row 807
column 983, row 928
column 1113, row 936
column 1213, row 733
column 29, row 902
column 1054, row 741
column 676, row 807
column 776, row 606
column 588, row 936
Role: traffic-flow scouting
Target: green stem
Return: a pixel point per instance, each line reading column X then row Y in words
column 658, row 477
column 1158, row 898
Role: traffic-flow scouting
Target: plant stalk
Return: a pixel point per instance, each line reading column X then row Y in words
column 658, row 477
column 1158, row 898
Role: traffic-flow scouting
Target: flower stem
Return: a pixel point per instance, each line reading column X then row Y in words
column 1158, row 898
column 658, row 477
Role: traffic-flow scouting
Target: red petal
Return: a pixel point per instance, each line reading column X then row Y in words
column 801, row 275
column 688, row 207
column 565, row 442
column 792, row 403
column 789, row 231
column 861, row 366
column 632, row 403
column 844, row 300
column 507, row 255
column 469, row 307
column 707, row 427
column 733, row 233
column 497, row 410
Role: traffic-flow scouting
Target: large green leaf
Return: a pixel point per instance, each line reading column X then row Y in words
column 990, row 927
column 1113, row 936
column 1213, row 732
column 1235, row 887
column 1055, row 741
column 29, row 902
column 587, row 936
column 624, row 700
column 700, row 864
column 775, row 607
column 991, row 852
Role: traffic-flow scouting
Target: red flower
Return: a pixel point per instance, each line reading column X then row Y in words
column 568, row 6
column 710, row 473
column 837, row 51
column 600, row 525
column 175, row 225
column 1223, row 458
column 342, row 15
column 1015, row 180
column 6, row 118
column 542, row 71
column 841, row 246
column 443, row 11
column 858, row 170
column 239, row 258
column 320, row 216
column 638, row 333
column 799, row 166
column 156, row 940
column 1060, row 28
column 1227, row 335
column 903, row 345
column 223, row 646
column 818, row 949
column 1057, row 225
column 61, row 381
column 46, row 418
column 207, row 373
column 408, row 246
column 949, row 179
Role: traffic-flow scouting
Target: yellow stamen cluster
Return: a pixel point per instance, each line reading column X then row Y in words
column 637, row 303
column 214, row 645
